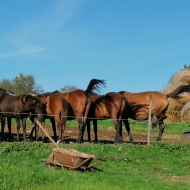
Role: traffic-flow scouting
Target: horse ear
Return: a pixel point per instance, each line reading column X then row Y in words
column 23, row 98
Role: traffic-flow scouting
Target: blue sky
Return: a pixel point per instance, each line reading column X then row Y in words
column 135, row 45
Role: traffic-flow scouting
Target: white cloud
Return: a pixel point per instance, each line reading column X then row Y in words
column 29, row 51
column 31, row 35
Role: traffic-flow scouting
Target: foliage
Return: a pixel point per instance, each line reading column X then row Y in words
column 22, row 84
column 68, row 88
column 186, row 66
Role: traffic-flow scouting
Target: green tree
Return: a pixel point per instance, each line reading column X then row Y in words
column 68, row 88
column 22, row 84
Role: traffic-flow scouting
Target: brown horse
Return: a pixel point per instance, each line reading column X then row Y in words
column 55, row 108
column 19, row 107
column 138, row 108
column 108, row 106
column 79, row 104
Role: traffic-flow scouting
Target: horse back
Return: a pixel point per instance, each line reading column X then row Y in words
column 139, row 103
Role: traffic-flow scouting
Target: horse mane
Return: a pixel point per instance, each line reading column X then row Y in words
column 47, row 93
column 121, row 92
column 178, row 91
column 94, row 85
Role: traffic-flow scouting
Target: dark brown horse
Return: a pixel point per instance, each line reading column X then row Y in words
column 55, row 108
column 138, row 108
column 108, row 106
column 79, row 102
column 19, row 107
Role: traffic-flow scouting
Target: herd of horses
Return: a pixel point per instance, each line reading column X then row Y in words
column 85, row 106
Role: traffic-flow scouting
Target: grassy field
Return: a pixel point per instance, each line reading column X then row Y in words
column 160, row 165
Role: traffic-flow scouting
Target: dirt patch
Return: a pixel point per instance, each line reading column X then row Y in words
column 104, row 136
column 181, row 179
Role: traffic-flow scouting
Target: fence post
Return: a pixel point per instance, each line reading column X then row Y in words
column 149, row 122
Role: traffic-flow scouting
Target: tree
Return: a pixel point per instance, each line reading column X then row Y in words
column 185, row 66
column 68, row 88
column 22, row 84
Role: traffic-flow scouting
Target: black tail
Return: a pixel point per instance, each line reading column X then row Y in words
column 179, row 90
column 93, row 86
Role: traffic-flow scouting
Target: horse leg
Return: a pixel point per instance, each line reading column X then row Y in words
column 9, row 126
column 24, row 128
column 95, row 130
column 54, row 128
column 18, row 128
column 81, row 132
column 161, row 127
column 159, row 119
column 88, row 129
column 161, row 131
column 2, row 126
column 126, row 123
column 32, row 131
column 118, row 136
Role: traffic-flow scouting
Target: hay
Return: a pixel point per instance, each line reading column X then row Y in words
column 182, row 76
column 174, row 111
column 166, row 89
column 185, row 113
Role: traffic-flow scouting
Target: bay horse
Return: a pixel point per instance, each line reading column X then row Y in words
column 19, row 107
column 108, row 106
column 55, row 108
column 138, row 108
column 79, row 104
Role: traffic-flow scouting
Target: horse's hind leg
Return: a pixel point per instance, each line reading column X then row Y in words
column 95, row 130
column 160, row 121
column 126, row 123
column 81, row 132
column 54, row 128
column 88, row 129
column 161, row 128
column 161, row 131
column 118, row 136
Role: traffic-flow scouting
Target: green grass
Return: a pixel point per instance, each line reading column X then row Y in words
column 148, row 167
column 158, row 166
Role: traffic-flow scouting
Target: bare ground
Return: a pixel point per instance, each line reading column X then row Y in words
column 104, row 136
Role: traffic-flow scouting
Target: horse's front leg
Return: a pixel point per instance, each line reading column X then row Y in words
column 24, row 128
column 9, row 126
column 18, row 128
column 2, row 126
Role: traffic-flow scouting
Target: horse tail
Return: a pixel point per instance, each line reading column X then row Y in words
column 65, row 106
column 94, row 85
column 178, row 91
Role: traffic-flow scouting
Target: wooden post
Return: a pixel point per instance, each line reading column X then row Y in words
column 149, row 122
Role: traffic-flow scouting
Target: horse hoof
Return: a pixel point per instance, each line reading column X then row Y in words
column 118, row 142
column 79, row 141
